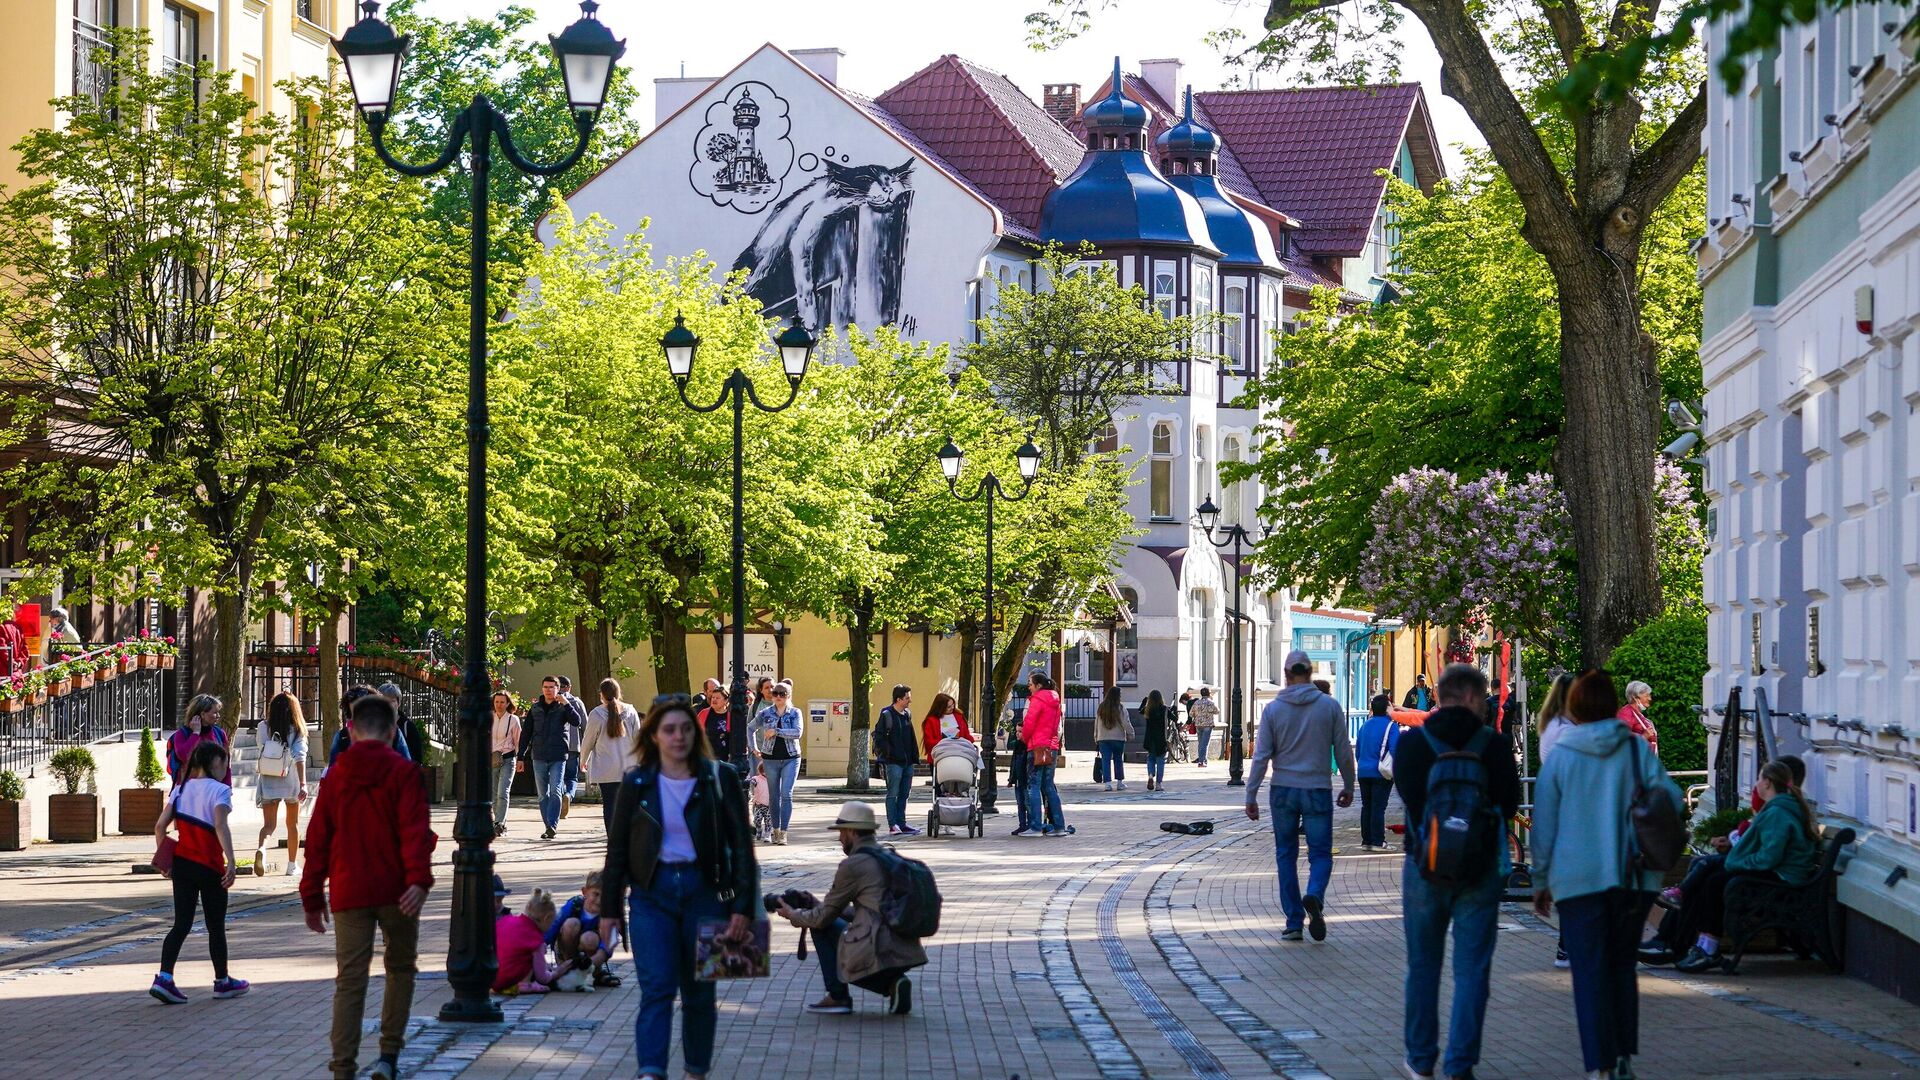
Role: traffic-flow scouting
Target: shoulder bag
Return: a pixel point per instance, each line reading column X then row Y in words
column 1044, row 756
column 1659, row 826
column 1386, row 752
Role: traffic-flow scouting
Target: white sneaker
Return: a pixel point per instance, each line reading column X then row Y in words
column 293, row 869
column 1109, row 785
column 1121, row 786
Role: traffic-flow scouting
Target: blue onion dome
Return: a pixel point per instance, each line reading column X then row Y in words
column 1188, row 139
column 1188, row 154
column 1115, row 114
column 1116, row 198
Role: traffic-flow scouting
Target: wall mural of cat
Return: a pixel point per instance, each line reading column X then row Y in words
column 833, row 252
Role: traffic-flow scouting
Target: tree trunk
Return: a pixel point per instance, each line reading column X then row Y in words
column 229, row 645
column 591, row 649
column 1604, row 461
column 329, row 677
column 969, row 634
column 1013, row 657
column 860, row 717
column 669, row 641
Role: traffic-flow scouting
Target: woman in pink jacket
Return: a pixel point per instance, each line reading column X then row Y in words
column 1040, row 732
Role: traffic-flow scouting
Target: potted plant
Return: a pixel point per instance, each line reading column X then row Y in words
column 106, row 667
column 13, row 694
column 36, row 688
column 169, row 649
column 140, row 806
column 74, row 816
column 16, row 820
column 59, row 681
column 129, row 657
column 81, row 672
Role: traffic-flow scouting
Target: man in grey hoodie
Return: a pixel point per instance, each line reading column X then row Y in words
column 1300, row 730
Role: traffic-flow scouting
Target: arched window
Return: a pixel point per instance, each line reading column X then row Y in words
column 1160, row 473
column 1234, row 326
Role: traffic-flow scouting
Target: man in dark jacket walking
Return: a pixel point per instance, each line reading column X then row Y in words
column 543, row 740
column 1472, row 908
column 897, row 748
column 378, row 877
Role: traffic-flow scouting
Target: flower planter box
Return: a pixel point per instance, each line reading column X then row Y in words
column 166, row 661
column 39, row 697
column 74, row 819
column 149, row 661
column 108, row 672
column 60, row 687
column 128, row 663
column 13, row 705
column 140, row 810
column 83, row 681
column 16, row 825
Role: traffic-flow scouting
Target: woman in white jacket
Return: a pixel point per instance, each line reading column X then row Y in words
column 610, row 745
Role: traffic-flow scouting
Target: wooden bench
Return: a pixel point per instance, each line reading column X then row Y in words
column 1803, row 915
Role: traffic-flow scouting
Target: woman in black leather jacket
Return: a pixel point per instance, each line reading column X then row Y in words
column 680, row 839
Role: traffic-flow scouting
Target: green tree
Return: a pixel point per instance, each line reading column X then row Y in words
column 1068, row 361
column 1460, row 373
column 202, row 307
column 1589, row 173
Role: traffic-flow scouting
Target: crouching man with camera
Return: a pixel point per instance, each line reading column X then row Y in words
column 856, row 942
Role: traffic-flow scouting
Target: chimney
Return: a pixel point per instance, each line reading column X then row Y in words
column 824, row 62
column 672, row 95
column 1164, row 77
column 1062, row 102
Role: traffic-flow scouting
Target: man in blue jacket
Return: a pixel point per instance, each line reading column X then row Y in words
column 897, row 747
column 543, row 739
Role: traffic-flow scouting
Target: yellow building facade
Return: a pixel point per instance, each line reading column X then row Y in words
column 49, row 49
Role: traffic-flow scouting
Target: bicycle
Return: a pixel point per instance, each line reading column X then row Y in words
column 1179, row 748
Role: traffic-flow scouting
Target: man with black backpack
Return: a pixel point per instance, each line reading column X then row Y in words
column 867, row 929
column 1458, row 782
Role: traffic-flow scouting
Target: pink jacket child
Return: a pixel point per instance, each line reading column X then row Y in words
column 1041, row 726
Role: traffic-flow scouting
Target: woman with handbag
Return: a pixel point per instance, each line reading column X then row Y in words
column 680, row 840
column 201, row 866
column 1373, row 754
column 282, row 769
column 1040, row 732
column 1585, row 860
column 506, row 762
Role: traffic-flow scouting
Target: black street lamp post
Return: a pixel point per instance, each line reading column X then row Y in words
column 373, row 53
column 1027, row 458
column 796, row 349
column 1234, row 536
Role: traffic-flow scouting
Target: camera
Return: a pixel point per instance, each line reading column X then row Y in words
column 797, row 899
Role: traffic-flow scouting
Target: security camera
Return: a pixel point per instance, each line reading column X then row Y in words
column 1681, row 416
column 1681, row 445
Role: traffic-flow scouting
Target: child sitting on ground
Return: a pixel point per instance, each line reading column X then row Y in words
column 522, row 944
column 576, row 932
column 762, row 805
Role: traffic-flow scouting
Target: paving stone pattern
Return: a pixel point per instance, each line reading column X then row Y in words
column 1118, row 953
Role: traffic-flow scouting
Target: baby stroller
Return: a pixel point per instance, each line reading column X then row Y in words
column 956, row 788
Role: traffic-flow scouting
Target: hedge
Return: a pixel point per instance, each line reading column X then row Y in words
column 1670, row 655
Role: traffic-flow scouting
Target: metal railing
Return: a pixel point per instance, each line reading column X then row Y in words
column 86, row 714
column 296, row 670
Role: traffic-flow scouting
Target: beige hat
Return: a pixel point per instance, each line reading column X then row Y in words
column 856, row 815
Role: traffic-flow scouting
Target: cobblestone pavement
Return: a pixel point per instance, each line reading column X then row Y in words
column 1119, row 952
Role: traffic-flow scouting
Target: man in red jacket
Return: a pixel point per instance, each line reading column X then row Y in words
column 376, row 801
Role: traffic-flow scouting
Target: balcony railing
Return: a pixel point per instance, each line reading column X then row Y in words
column 116, row 693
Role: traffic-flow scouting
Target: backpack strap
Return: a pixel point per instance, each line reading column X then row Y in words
column 1477, row 746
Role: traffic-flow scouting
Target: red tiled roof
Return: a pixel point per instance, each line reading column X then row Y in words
column 912, row 139
column 1315, row 153
column 992, row 133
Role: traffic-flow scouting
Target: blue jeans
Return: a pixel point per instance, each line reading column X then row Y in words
column 899, row 779
column 664, row 922
column 502, row 788
column 1601, row 933
column 1157, row 768
column 1043, row 795
column 573, row 774
column 549, row 778
column 1114, row 753
column 781, row 773
column 1298, row 811
column 826, row 943
column 1205, row 734
column 1474, row 912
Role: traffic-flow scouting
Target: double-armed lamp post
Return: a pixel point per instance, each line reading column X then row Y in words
column 373, row 53
column 795, row 346
column 1027, row 459
column 1232, row 536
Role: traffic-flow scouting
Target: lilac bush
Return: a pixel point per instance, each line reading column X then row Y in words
column 1448, row 553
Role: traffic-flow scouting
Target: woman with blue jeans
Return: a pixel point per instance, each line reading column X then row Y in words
column 1040, row 732
column 1111, row 730
column 680, row 839
column 784, row 725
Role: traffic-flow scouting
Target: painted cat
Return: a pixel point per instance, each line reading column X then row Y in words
column 843, row 232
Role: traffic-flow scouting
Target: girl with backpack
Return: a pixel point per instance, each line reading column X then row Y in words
column 201, row 867
column 1584, row 860
column 679, row 853
column 283, row 778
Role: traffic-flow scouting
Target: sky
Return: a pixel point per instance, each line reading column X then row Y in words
column 886, row 41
